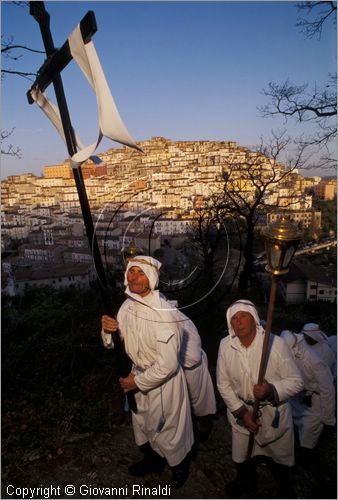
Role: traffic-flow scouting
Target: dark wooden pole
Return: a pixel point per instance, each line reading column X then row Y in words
column 264, row 357
column 38, row 11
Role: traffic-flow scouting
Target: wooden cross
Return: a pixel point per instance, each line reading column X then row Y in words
column 50, row 72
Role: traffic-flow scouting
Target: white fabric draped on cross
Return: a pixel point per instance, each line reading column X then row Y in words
column 110, row 122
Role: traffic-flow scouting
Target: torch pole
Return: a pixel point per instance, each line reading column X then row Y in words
column 264, row 357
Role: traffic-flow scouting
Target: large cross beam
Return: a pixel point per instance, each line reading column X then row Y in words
column 50, row 73
column 57, row 60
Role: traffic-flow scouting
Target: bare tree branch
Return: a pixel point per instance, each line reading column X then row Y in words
column 19, row 73
column 253, row 181
column 292, row 100
column 9, row 51
column 9, row 149
column 317, row 105
column 7, row 47
column 323, row 10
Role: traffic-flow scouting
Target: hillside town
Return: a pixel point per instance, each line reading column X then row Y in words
column 137, row 199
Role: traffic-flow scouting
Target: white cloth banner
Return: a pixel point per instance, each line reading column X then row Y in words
column 110, row 122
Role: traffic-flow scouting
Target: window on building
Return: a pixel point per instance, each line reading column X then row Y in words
column 313, row 287
column 321, row 292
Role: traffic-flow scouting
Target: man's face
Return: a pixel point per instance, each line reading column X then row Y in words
column 138, row 281
column 244, row 327
column 309, row 340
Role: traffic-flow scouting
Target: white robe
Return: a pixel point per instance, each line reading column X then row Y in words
column 152, row 341
column 237, row 373
column 325, row 352
column 332, row 341
column 318, row 383
column 195, row 364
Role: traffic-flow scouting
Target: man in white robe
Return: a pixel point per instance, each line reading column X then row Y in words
column 194, row 362
column 237, row 374
column 162, row 425
column 318, row 341
column 314, row 407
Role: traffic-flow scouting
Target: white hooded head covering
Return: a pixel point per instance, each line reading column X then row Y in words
column 242, row 305
column 150, row 267
column 290, row 338
column 312, row 330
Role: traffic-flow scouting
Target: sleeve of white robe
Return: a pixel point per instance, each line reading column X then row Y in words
column 165, row 365
column 223, row 381
column 107, row 340
column 191, row 348
column 288, row 381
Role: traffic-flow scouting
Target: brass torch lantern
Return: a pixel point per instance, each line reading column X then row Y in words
column 281, row 242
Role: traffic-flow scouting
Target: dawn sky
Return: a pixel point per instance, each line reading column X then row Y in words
column 182, row 70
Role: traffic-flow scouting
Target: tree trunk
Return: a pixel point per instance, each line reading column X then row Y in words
column 245, row 275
